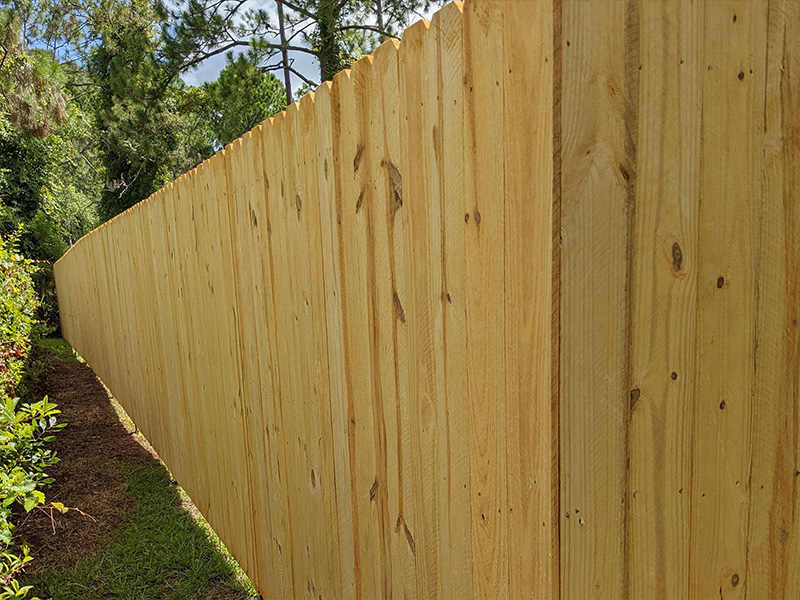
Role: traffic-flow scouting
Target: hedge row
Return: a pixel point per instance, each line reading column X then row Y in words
column 25, row 426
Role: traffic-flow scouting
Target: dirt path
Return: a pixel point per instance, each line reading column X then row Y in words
column 143, row 538
column 91, row 448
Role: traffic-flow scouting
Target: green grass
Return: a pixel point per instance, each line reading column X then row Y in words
column 162, row 554
column 61, row 348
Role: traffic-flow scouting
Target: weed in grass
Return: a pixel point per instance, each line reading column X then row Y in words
column 163, row 553
column 61, row 348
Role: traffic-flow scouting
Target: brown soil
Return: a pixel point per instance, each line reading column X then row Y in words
column 91, row 448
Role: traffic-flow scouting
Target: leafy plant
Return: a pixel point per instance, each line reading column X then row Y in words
column 25, row 428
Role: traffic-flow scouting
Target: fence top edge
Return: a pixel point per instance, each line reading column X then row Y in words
column 421, row 27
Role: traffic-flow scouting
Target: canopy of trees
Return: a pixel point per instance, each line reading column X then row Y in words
column 94, row 111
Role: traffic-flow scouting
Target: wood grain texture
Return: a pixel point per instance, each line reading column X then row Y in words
column 528, row 148
column 446, row 110
column 382, row 160
column 664, row 293
column 597, row 173
column 421, row 301
column 484, row 214
column 728, row 243
column 509, row 309
column 772, row 549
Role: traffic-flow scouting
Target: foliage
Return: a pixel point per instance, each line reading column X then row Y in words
column 47, row 197
column 241, row 98
column 59, row 348
column 112, row 68
column 46, row 189
column 133, row 106
column 25, row 428
column 30, row 90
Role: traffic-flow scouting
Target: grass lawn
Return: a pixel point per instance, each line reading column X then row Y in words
column 164, row 552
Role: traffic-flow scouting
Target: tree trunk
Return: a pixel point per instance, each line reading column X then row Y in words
column 287, row 76
column 330, row 60
column 379, row 12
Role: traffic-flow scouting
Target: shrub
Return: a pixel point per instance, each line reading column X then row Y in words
column 25, row 428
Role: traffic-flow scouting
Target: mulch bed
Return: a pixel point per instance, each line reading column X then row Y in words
column 91, row 448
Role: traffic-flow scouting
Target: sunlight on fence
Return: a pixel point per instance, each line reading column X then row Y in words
column 508, row 309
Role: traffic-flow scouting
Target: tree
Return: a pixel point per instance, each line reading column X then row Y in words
column 241, row 98
column 334, row 32
column 48, row 192
column 136, row 109
column 30, row 88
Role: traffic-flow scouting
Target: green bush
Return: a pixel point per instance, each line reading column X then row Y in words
column 25, row 428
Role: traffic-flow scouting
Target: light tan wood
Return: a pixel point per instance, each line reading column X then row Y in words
column 728, row 278
column 773, row 551
column 447, row 136
column 664, row 293
column 532, row 477
column 327, row 113
column 484, row 214
column 509, row 309
column 419, row 307
column 598, row 120
column 274, row 494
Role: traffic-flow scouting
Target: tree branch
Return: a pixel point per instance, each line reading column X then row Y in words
column 365, row 28
column 298, row 9
column 293, row 70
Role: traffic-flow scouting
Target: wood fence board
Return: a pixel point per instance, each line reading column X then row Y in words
column 596, row 175
column 383, row 161
column 418, row 306
column 326, row 114
column 448, row 139
column 729, row 224
column 772, row 551
column 528, row 147
column 275, row 496
column 484, row 250
column 664, row 291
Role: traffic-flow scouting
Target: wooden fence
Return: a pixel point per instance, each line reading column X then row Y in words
column 508, row 310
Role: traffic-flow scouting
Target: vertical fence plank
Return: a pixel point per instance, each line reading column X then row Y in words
column 292, row 325
column 419, row 307
column 180, row 378
column 528, row 150
column 274, row 487
column 243, row 221
column 202, row 331
column 773, row 549
column 448, row 146
column 326, row 119
column 597, row 173
column 324, row 476
column 281, row 209
column 664, row 287
column 729, row 222
column 484, row 215
column 165, row 440
column 207, row 333
column 178, row 215
column 350, row 137
column 384, row 212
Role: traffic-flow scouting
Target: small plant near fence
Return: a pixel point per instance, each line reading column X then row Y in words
column 25, row 427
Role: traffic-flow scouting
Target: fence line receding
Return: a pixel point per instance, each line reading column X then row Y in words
column 507, row 310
